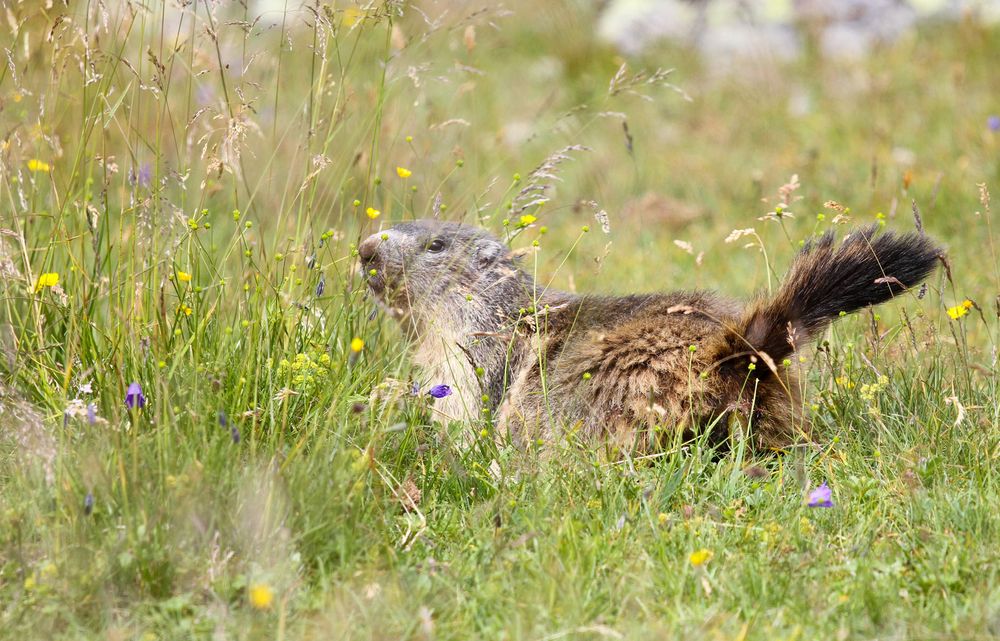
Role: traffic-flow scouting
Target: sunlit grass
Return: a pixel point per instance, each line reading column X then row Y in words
column 182, row 194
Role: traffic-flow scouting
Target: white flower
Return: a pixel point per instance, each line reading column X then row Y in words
column 75, row 409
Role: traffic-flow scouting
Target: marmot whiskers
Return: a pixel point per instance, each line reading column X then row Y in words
column 633, row 370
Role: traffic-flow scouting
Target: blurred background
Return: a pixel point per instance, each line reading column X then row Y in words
column 291, row 111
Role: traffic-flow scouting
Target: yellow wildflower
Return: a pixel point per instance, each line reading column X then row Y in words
column 49, row 570
column 959, row 311
column 403, row 172
column 48, row 279
column 304, row 371
column 35, row 165
column 373, row 213
column 184, row 309
column 771, row 532
column 352, row 17
column 261, row 596
column 357, row 344
column 18, row 96
column 183, row 276
column 844, row 382
column 700, row 557
column 870, row 390
column 527, row 219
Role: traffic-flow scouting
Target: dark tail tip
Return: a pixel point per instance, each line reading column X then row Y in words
column 827, row 280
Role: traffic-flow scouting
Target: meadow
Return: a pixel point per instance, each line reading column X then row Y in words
column 207, row 428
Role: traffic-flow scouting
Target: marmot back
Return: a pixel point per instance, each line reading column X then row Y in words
column 635, row 370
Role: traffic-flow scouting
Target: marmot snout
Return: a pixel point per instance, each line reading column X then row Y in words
column 634, row 370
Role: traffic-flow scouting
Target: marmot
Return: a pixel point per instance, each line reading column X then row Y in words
column 638, row 370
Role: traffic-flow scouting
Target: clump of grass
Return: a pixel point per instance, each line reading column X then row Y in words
column 184, row 189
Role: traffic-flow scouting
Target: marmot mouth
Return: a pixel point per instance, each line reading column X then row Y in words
column 376, row 284
column 372, row 277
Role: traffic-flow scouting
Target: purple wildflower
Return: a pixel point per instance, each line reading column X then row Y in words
column 321, row 285
column 234, row 432
column 91, row 413
column 145, row 174
column 993, row 122
column 440, row 391
column 88, row 503
column 134, row 397
column 821, row 496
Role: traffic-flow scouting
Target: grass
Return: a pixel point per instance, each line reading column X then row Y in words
column 192, row 176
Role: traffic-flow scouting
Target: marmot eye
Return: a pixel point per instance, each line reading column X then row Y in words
column 435, row 245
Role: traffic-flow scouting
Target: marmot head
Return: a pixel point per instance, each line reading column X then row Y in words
column 426, row 268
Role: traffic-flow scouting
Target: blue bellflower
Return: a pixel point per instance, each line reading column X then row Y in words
column 440, row 391
column 821, row 496
column 134, row 398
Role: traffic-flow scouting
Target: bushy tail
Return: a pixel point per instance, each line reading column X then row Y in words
column 825, row 280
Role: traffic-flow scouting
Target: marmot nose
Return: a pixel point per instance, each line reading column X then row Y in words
column 368, row 248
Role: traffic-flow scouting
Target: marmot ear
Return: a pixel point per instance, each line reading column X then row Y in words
column 487, row 252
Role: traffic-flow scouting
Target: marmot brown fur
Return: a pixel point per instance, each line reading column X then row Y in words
column 634, row 370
